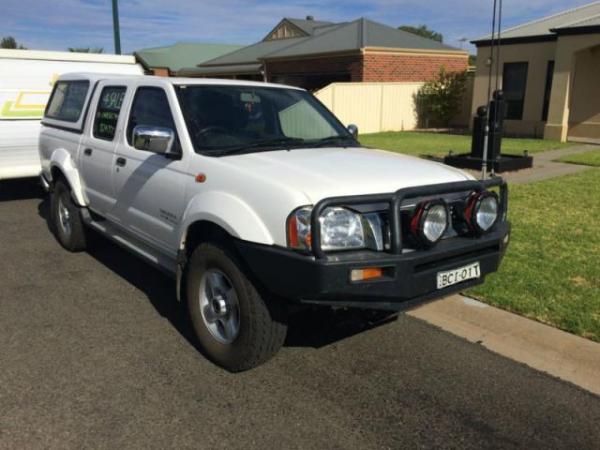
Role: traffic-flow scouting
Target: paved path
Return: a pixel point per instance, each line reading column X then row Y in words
column 544, row 166
column 540, row 346
column 95, row 353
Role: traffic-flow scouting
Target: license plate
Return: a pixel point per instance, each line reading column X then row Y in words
column 450, row 277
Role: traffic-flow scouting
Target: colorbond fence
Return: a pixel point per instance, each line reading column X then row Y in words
column 373, row 107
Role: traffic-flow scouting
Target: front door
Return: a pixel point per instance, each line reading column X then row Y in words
column 149, row 187
column 98, row 149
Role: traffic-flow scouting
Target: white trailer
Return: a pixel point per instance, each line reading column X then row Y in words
column 26, row 79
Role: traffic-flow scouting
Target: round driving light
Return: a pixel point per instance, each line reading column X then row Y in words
column 430, row 222
column 481, row 212
column 487, row 213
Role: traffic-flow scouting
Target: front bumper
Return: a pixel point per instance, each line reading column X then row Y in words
column 411, row 277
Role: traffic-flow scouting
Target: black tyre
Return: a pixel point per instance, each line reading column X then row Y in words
column 65, row 218
column 236, row 327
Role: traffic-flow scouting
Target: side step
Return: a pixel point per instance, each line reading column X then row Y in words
column 118, row 235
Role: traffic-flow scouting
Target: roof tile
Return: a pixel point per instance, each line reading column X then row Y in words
column 330, row 38
column 182, row 54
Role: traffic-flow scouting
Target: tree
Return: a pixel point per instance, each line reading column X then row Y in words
column 86, row 50
column 10, row 42
column 423, row 31
column 438, row 101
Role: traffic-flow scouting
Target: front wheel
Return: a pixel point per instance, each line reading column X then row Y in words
column 236, row 327
column 65, row 218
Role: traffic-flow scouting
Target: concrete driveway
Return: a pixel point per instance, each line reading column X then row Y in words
column 95, row 352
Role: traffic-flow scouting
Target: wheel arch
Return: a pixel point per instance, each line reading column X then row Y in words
column 197, row 232
column 228, row 212
column 207, row 226
column 62, row 165
column 203, row 231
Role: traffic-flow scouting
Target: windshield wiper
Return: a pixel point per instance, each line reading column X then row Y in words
column 284, row 142
column 332, row 140
column 266, row 143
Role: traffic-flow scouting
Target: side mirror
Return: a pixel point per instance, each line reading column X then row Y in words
column 154, row 139
column 353, row 130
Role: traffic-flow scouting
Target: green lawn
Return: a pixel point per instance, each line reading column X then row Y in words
column 591, row 158
column 552, row 268
column 438, row 144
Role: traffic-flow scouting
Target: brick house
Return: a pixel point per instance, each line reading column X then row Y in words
column 312, row 54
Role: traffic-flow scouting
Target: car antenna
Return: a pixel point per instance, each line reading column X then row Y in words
column 494, row 51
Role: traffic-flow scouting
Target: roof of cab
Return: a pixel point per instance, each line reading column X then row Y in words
column 94, row 77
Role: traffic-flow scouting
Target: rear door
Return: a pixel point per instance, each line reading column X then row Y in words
column 97, row 152
column 150, row 187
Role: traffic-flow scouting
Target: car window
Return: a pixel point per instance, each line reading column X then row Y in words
column 107, row 112
column 299, row 121
column 150, row 108
column 219, row 118
column 67, row 101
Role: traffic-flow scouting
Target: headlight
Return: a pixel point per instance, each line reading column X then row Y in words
column 341, row 229
column 430, row 222
column 481, row 212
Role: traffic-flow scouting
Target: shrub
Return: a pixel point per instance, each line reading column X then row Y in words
column 438, row 101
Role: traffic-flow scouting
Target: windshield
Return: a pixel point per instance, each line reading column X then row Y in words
column 224, row 120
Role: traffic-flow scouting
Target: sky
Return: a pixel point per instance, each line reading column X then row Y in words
column 59, row 24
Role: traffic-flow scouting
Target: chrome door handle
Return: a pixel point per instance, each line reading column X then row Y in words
column 121, row 162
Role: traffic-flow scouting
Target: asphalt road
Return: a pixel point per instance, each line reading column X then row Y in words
column 95, row 352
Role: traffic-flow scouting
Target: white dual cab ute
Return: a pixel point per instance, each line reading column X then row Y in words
column 258, row 201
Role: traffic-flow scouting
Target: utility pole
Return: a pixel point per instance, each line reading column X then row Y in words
column 117, row 33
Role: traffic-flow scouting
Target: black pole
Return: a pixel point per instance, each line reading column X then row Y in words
column 496, row 103
column 117, row 33
column 486, row 133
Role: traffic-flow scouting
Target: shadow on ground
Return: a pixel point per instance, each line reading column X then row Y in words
column 21, row 189
column 319, row 327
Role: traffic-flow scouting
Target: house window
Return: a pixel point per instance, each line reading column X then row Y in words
column 514, row 80
column 547, row 90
